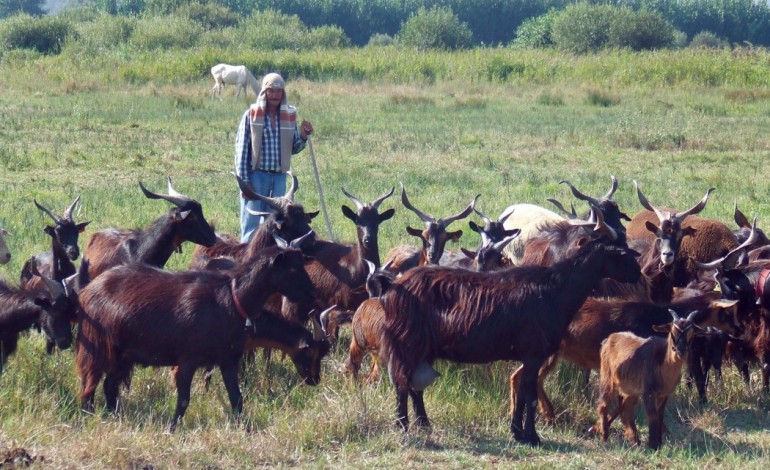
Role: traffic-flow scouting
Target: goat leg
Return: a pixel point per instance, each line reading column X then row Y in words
column 184, row 377
column 230, row 378
column 402, row 410
column 418, row 404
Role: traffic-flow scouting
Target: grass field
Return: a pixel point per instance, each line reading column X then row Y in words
column 446, row 141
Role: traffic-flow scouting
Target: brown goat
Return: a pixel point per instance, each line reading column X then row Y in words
column 701, row 239
column 433, row 238
column 598, row 318
column 634, row 368
column 138, row 314
column 155, row 244
column 519, row 313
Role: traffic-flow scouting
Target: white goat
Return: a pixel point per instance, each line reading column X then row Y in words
column 5, row 253
column 530, row 219
column 237, row 75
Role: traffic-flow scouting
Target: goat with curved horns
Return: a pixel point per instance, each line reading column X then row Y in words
column 155, row 244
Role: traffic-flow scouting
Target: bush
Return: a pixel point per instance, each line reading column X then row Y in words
column 271, row 30
column 582, row 28
column 535, row 32
column 43, row 34
column 437, row 28
column 707, row 40
column 327, row 37
column 640, row 30
column 209, row 15
column 165, row 32
column 378, row 39
column 106, row 32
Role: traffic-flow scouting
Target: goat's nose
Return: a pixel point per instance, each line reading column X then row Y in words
column 666, row 258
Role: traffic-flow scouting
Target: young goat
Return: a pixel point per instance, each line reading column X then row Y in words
column 137, row 314
column 634, row 368
column 154, row 245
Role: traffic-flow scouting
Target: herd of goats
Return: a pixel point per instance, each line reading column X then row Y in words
column 634, row 301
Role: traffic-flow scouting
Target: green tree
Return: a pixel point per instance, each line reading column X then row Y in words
column 11, row 7
column 437, row 28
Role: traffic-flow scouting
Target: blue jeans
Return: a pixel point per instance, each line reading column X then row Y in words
column 265, row 184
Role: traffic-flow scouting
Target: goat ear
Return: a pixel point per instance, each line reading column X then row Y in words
column 474, row 226
column 387, row 215
column 43, row 302
column 82, row 227
column 470, row 254
column 455, row 236
column 348, row 212
column 724, row 303
column 688, row 231
column 49, row 230
column 181, row 215
column 651, row 227
column 414, row 232
column 309, row 216
column 662, row 328
column 625, row 217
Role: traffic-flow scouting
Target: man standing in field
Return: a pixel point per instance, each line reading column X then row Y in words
column 266, row 138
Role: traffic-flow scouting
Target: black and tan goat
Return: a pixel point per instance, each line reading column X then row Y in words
column 155, row 244
column 647, row 369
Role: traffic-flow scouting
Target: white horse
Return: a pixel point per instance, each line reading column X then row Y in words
column 237, row 75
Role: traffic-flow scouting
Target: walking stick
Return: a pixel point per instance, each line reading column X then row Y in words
column 320, row 190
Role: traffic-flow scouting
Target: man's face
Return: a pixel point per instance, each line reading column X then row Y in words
column 274, row 96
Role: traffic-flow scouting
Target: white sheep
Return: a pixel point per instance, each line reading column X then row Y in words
column 237, row 75
column 530, row 219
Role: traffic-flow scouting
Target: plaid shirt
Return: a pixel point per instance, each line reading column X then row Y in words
column 270, row 154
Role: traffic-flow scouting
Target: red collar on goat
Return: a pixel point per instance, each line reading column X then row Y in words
column 759, row 288
column 238, row 306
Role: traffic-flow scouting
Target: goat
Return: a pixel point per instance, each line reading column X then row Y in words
column 434, row 238
column 188, row 319
column 701, row 239
column 489, row 255
column 238, row 75
column 5, row 253
column 707, row 351
column 518, row 313
column 634, row 368
column 605, row 204
column 66, row 231
column 19, row 311
column 289, row 221
column 155, row 244
column 530, row 220
column 339, row 271
column 598, row 318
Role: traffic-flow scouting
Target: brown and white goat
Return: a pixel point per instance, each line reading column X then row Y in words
column 155, row 244
column 433, row 238
column 647, row 369
column 520, row 313
column 138, row 314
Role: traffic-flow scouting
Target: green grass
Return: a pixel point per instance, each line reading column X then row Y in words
column 447, row 140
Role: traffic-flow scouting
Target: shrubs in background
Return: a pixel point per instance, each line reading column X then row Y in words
column 43, row 34
column 437, row 28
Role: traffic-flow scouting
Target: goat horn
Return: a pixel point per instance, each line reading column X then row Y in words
column 444, row 222
column 387, row 264
column 56, row 288
column 371, row 266
column 427, row 218
column 297, row 242
column 613, row 188
column 250, row 194
column 487, row 220
column 674, row 315
column 579, row 195
column 359, row 205
column 718, row 263
column 504, row 217
column 55, row 217
column 318, row 331
column 178, row 201
column 570, row 215
column 601, row 226
column 696, row 208
column 257, row 213
column 280, row 241
column 70, row 209
column 646, row 204
column 739, row 217
column 378, row 201
column 173, row 192
column 294, row 187
column 324, row 320
column 498, row 246
column 691, row 316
